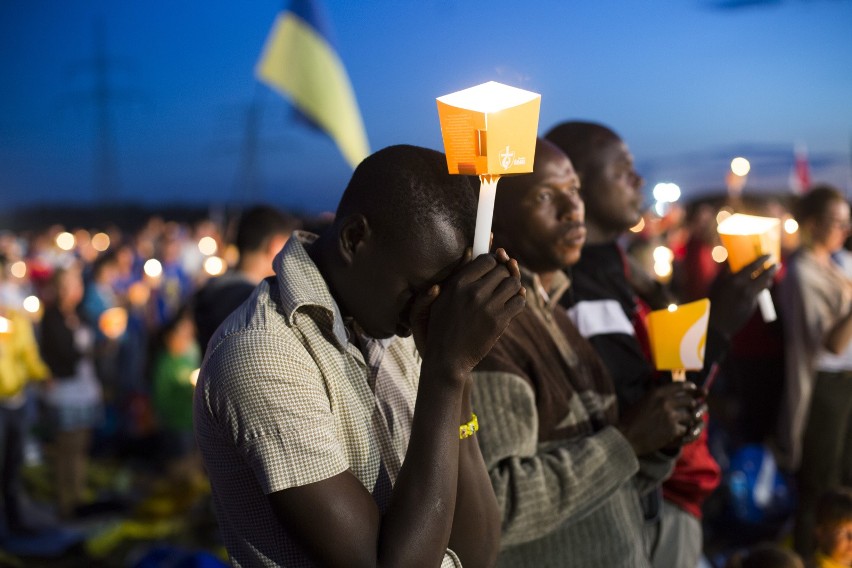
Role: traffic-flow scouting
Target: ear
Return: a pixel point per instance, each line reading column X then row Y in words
column 354, row 233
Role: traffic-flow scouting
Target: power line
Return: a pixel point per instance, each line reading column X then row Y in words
column 103, row 96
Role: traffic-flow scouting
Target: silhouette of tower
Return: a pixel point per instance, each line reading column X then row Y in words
column 248, row 185
column 103, row 97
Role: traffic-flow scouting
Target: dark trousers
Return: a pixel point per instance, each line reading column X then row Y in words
column 826, row 450
column 12, row 430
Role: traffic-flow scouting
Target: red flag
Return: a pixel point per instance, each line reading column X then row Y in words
column 800, row 177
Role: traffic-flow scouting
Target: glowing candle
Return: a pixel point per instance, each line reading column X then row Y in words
column 678, row 337
column 489, row 130
column 747, row 237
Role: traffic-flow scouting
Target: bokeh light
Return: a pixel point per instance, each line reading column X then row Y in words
column 663, row 269
column 32, row 304
column 207, row 246
column 723, row 214
column 153, row 268
column 791, row 226
column 18, row 269
column 666, row 192
column 65, row 240
column 214, row 266
column 663, row 254
column 740, row 166
column 138, row 293
column 100, row 242
column 638, row 227
column 113, row 322
column 719, row 254
column 232, row 255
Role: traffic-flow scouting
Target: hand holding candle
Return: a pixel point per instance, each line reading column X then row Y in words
column 489, row 130
column 747, row 237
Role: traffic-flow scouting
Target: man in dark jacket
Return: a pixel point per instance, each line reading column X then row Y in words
column 611, row 295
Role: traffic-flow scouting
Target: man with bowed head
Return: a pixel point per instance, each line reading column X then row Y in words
column 611, row 295
column 567, row 471
column 330, row 435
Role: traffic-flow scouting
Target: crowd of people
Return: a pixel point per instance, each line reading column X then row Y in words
column 371, row 393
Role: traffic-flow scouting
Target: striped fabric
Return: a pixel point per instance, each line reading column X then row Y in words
column 564, row 476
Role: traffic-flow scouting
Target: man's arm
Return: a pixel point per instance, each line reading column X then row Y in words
column 337, row 522
column 654, row 468
column 476, row 514
column 539, row 488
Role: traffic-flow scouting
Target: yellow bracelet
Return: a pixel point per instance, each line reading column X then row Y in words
column 468, row 430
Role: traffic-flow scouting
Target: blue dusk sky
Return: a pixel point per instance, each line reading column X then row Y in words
column 170, row 98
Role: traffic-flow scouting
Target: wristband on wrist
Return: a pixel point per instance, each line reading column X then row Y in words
column 467, row 430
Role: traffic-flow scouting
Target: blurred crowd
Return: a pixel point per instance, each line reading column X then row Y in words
column 99, row 352
column 102, row 333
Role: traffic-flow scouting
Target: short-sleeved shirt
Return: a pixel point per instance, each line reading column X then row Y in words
column 286, row 398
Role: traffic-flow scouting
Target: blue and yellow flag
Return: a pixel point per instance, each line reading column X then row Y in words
column 300, row 62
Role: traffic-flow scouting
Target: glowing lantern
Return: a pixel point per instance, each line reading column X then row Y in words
column 489, row 130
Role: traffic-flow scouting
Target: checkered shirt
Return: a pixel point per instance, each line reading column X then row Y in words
column 285, row 398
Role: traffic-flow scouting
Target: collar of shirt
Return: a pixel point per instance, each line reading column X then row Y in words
column 373, row 350
column 304, row 287
column 545, row 299
column 543, row 303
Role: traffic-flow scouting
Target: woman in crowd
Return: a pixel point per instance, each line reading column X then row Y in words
column 815, row 429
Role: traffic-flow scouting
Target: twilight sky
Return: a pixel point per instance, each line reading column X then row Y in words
column 689, row 84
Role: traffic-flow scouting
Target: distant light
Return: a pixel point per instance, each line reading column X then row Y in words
column 663, row 257
column 65, row 240
column 740, row 166
column 18, row 269
column 214, row 266
column 193, row 376
column 672, row 307
column 5, row 325
column 113, row 322
column 232, row 255
column 100, row 242
column 662, row 269
column 663, row 254
column 719, row 254
column 638, row 227
column 138, row 293
column 661, row 208
column 791, row 226
column 207, row 246
column 32, row 304
column 723, row 214
column 666, row 192
column 153, row 268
